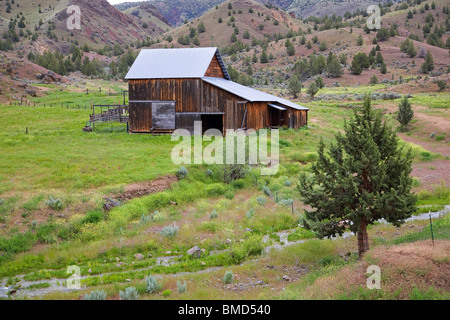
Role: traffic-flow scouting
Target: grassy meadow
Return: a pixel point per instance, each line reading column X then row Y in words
column 56, row 160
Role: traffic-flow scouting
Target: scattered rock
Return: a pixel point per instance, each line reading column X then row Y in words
column 49, row 77
column 110, row 204
column 138, row 256
column 286, row 278
column 195, row 252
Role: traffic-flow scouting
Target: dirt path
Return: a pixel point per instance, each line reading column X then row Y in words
column 141, row 189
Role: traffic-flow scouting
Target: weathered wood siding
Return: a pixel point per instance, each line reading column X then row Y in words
column 196, row 96
column 297, row 118
column 140, row 117
column 186, row 92
column 214, row 69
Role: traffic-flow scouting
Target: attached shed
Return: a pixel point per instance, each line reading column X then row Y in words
column 172, row 88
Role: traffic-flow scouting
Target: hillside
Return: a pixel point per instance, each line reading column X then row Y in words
column 174, row 11
column 46, row 22
column 246, row 19
column 320, row 8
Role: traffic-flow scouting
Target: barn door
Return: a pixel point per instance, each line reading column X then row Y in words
column 140, row 117
column 236, row 114
column 163, row 115
column 241, row 112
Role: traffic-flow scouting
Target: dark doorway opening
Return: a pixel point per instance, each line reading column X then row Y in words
column 277, row 116
column 213, row 121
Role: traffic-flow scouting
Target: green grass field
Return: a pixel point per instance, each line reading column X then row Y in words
column 57, row 159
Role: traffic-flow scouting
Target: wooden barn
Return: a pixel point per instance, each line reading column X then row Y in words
column 171, row 88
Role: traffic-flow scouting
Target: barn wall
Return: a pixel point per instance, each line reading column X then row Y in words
column 214, row 69
column 258, row 115
column 297, row 118
column 186, row 92
column 194, row 95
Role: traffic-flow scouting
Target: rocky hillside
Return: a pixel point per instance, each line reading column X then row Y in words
column 236, row 20
column 42, row 24
column 175, row 11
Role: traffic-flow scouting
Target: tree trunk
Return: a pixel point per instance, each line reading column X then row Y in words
column 363, row 239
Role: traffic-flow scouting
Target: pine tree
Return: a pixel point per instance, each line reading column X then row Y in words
column 363, row 177
column 405, row 114
column 294, row 86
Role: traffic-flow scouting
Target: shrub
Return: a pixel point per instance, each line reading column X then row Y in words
column 181, row 287
column 213, row 214
column 95, row 295
column 182, row 173
column 166, row 293
column 228, row 277
column 287, row 183
column 130, row 293
column 250, row 213
column 441, row 84
column 209, row 172
column 323, row 46
column 287, row 202
column 238, row 184
column 46, row 233
column 229, row 194
column 252, row 246
column 152, row 285
column 93, row 217
column 170, row 231
column 55, row 204
column 145, row 219
column 261, row 201
column 266, row 191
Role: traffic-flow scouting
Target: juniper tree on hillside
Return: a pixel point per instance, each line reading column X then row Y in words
column 405, row 114
column 364, row 177
column 294, row 86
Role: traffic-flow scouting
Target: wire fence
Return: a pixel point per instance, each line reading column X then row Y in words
column 437, row 227
column 99, row 93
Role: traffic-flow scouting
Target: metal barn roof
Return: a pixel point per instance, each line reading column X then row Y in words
column 174, row 63
column 250, row 94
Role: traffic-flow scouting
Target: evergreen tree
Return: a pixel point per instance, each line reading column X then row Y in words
column 379, row 59
column 334, row 68
column 359, row 41
column 383, row 68
column 319, row 82
column 201, row 28
column 405, row 114
column 264, row 58
column 294, row 86
column 428, row 65
column 312, row 89
column 364, row 177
